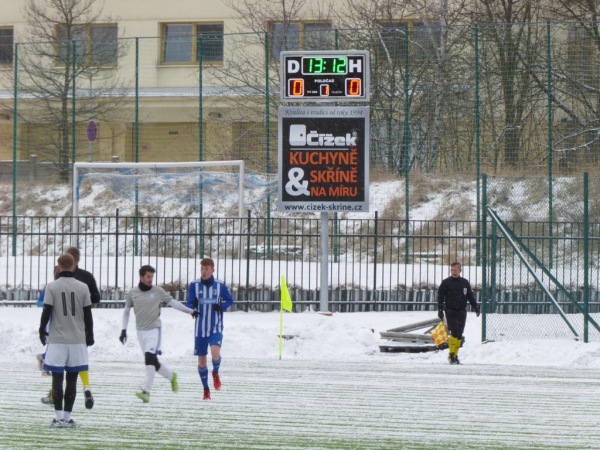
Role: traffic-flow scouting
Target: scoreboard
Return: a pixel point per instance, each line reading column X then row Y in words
column 325, row 76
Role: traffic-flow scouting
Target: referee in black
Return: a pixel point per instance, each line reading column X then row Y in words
column 453, row 294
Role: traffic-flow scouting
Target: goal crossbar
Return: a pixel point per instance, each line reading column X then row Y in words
column 157, row 165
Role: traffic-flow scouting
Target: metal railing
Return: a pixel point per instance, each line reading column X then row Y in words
column 368, row 262
column 369, row 269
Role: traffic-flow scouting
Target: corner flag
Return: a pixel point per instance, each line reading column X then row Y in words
column 286, row 300
column 286, row 303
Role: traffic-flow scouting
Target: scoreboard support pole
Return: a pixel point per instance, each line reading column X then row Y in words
column 324, row 292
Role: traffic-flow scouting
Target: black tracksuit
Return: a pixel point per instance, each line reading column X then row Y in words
column 453, row 295
column 86, row 277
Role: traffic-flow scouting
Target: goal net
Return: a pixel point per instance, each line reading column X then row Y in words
column 169, row 188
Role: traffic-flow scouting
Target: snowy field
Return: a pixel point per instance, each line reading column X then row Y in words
column 332, row 389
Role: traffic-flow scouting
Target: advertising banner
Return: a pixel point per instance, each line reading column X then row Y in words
column 323, row 159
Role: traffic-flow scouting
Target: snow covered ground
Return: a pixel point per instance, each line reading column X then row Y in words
column 332, row 389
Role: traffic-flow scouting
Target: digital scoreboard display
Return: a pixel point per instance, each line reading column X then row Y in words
column 325, row 76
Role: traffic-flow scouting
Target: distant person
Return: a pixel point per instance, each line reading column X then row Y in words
column 68, row 310
column 453, row 294
column 85, row 277
column 146, row 300
column 210, row 298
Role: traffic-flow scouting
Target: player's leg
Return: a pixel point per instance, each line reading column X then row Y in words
column 152, row 365
column 85, row 381
column 70, row 394
column 201, row 350
column 216, row 340
column 148, row 340
column 57, row 394
column 163, row 370
column 167, row 373
column 461, row 319
column 55, row 361
column 454, row 330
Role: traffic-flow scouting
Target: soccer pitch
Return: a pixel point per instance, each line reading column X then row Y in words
column 386, row 402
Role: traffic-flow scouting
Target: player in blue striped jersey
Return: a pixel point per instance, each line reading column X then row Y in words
column 210, row 298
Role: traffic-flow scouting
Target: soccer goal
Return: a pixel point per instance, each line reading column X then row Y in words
column 163, row 182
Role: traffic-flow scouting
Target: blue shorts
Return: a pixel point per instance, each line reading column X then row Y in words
column 202, row 343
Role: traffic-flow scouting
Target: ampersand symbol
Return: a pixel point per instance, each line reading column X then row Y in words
column 295, row 187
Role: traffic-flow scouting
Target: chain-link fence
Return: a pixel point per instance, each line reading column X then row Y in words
column 542, row 259
column 459, row 99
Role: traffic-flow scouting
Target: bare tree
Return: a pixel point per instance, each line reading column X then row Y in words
column 512, row 46
column 252, row 68
column 419, row 59
column 68, row 48
column 575, row 50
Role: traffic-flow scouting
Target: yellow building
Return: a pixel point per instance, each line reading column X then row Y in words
column 138, row 78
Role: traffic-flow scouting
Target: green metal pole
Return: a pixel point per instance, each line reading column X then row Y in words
column 268, row 143
column 73, row 131
column 136, row 143
column 199, row 46
column 200, row 50
column 493, row 263
column 484, row 259
column 477, row 143
column 136, row 123
column 336, row 225
column 246, row 293
column 586, row 257
column 406, row 144
column 15, row 136
column 117, row 246
column 73, row 104
column 550, row 149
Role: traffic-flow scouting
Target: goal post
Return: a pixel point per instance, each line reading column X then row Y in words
column 109, row 166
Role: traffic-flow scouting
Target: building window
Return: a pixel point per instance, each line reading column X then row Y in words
column 294, row 36
column 423, row 39
column 94, row 44
column 580, row 56
column 6, row 46
column 182, row 43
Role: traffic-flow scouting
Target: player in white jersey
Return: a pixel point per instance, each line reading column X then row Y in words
column 210, row 298
column 68, row 309
column 85, row 277
column 146, row 299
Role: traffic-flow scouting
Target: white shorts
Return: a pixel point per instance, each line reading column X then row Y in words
column 66, row 357
column 150, row 340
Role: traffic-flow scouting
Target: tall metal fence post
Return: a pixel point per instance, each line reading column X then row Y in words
column 493, row 265
column 484, row 301
column 248, row 232
column 406, row 143
column 550, row 147
column 74, row 239
column 477, row 144
column 15, row 140
column 375, row 255
column 117, row 248
column 73, row 105
column 268, row 236
column 586, row 257
column 336, row 238
column 136, row 133
column 200, row 47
